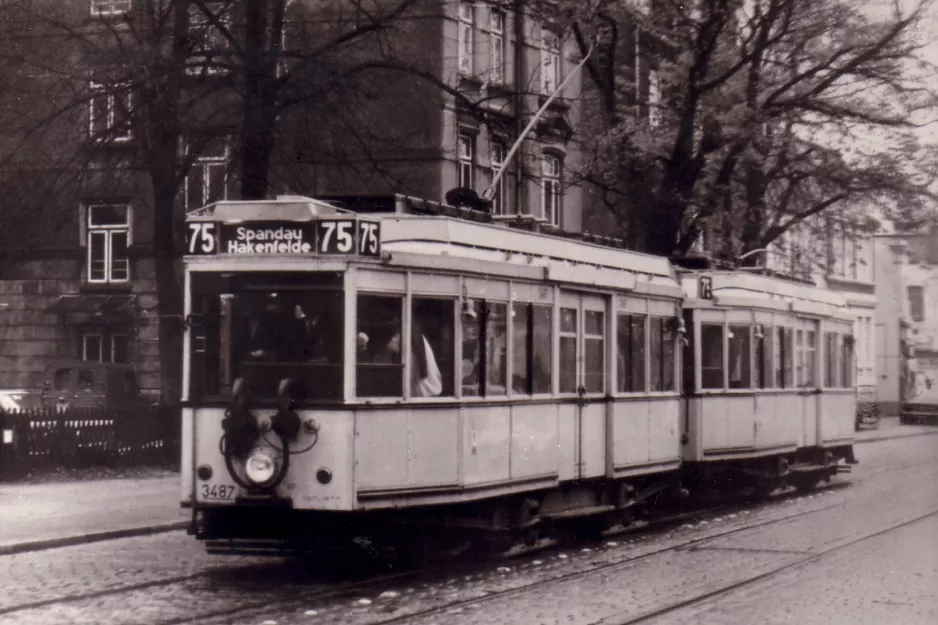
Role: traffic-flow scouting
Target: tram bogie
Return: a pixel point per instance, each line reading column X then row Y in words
column 378, row 373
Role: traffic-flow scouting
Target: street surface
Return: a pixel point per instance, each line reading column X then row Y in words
column 858, row 553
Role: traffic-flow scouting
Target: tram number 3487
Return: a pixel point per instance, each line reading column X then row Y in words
column 332, row 236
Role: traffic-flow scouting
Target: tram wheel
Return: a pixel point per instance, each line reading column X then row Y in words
column 805, row 484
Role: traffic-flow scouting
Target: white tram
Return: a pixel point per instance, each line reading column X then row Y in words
column 347, row 373
column 768, row 381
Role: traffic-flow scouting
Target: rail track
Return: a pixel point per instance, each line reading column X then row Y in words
column 308, row 592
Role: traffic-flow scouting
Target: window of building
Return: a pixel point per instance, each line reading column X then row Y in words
column 104, row 346
column 207, row 180
column 630, row 353
column 568, row 355
column 550, row 62
column 466, row 32
column 110, row 7
column 551, row 191
column 500, row 199
column 92, row 347
column 466, row 154
column 917, row 303
column 594, row 347
column 210, row 45
column 379, row 371
column 497, row 45
column 711, row 356
column 654, row 99
column 661, row 353
column 109, row 112
column 108, row 239
column 432, row 347
column 740, row 356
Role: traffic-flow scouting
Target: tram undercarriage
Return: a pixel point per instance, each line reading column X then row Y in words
column 756, row 478
column 584, row 509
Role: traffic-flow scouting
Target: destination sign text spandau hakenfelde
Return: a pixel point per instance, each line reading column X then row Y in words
column 327, row 236
column 268, row 239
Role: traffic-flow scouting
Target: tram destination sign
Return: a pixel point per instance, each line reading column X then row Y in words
column 274, row 238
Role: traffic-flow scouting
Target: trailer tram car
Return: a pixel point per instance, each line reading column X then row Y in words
column 352, row 374
column 769, row 395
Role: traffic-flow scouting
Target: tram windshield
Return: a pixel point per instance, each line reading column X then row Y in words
column 266, row 328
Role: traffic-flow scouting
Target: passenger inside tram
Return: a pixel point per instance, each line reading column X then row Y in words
column 379, row 342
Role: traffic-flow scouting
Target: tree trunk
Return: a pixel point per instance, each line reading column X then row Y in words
column 260, row 105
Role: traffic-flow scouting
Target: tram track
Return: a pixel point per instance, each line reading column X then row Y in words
column 329, row 592
column 493, row 596
column 303, row 595
column 730, row 588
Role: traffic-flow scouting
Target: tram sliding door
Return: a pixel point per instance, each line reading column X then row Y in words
column 583, row 375
column 806, row 376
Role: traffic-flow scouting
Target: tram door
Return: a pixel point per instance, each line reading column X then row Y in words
column 806, row 376
column 582, row 329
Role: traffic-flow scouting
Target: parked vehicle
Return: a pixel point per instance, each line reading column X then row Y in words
column 86, row 384
column 18, row 400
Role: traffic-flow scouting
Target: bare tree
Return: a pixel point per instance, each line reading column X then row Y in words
column 137, row 97
column 764, row 115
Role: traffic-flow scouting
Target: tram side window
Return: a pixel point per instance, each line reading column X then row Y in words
column 432, row 347
column 764, row 358
column 799, row 358
column 830, row 361
column 783, row 358
column 379, row 371
column 661, row 341
column 594, row 346
column 847, row 362
column 630, row 349
column 531, row 347
column 543, row 325
column 484, row 349
column 711, row 355
column 568, row 323
column 740, row 358
column 810, row 358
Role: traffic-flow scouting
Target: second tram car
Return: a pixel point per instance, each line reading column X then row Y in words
column 349, row 373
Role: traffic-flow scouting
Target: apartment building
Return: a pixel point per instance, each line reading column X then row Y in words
column 907, row 276
column 77, row 271
column 837, row 252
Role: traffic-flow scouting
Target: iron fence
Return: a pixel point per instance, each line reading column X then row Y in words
column 40, row 440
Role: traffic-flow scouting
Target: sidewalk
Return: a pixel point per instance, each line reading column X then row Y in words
column 41, row 516
column 889, row 427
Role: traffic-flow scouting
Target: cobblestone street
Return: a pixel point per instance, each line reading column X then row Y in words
column 168, row 579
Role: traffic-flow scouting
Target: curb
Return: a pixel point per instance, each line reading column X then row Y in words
column 81, row 539
column 886, row 437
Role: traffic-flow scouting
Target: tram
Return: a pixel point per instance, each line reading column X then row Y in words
column 353, row 373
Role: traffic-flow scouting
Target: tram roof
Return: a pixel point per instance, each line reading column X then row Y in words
column 432, row 234
column 742, row 288
column 283, row 208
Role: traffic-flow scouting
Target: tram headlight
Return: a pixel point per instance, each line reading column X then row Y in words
column 260, row 466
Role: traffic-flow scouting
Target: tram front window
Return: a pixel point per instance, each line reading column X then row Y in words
column 268, row 328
